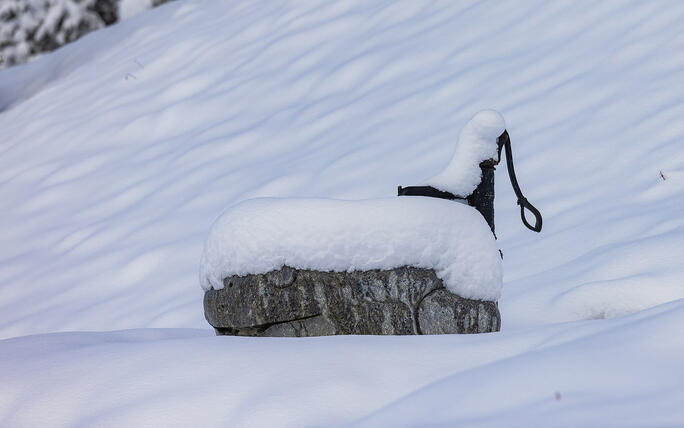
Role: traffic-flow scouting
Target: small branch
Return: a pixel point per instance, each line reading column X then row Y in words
column 662, row 175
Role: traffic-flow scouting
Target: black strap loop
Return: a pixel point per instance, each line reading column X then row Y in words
column 505, row 141
column 425, row 191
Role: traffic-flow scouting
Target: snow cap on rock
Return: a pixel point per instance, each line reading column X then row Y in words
column 476, row 143
column 264, row 234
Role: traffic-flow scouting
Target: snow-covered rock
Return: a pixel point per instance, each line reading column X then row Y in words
column 355, row 262
column 263, row 235
column 354, row 267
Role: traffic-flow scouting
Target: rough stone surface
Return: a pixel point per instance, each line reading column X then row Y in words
column 290, row 302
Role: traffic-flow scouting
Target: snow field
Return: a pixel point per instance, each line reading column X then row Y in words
column 119, row 151
column 611, row 373
column 129, row 147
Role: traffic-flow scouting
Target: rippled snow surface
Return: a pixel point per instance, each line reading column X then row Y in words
column 119, row 151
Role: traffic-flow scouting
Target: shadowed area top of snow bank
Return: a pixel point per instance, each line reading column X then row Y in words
column 476, row 143
column 261, row 235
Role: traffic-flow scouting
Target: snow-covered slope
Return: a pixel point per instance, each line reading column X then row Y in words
column 118, row 152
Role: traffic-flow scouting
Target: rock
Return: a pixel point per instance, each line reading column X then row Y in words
column 291, row 302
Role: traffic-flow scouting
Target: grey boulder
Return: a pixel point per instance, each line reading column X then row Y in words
column 290, row 302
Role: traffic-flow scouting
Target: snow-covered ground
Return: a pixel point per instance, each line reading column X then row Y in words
column 612, row 373
column 118, row 152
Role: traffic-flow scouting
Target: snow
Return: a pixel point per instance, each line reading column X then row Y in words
column 609, row 373
column 118, row 151
column 261, row 235
column 130, row 8
column 477, row 142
